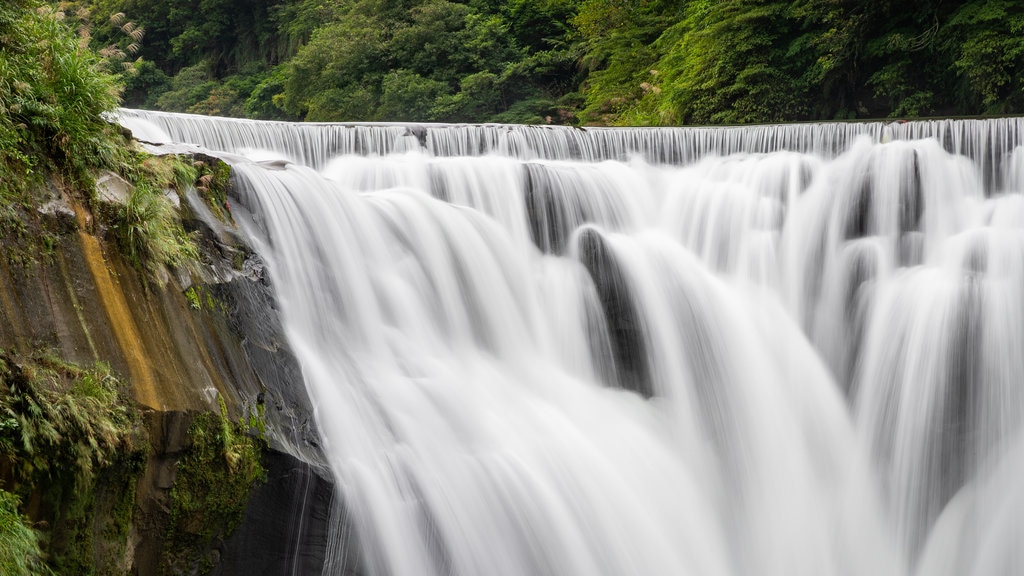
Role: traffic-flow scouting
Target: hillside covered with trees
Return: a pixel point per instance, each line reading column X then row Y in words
column 642, row 62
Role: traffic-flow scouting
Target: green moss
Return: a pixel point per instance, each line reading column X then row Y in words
column 72, row 443
column 89, row 533
column 192, row 295
column 201, row 298
column 215, row 477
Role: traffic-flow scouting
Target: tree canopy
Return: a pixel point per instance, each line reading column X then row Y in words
column 644, row 62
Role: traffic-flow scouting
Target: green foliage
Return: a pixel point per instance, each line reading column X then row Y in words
column 195, row 91
column 71, row 436
column 729, row 66
column 990, row 53
column 434, row 60
column 148, row 230
column 408, row 96
column 566, row 61
column 214, row 479
column 334, row 77
column 53, row 91
column 200, row 298
column 20, row 554
column 192, row 296
column 61, row 420
column 145, row 84
column 620, row 52
column 262, row 99
column 191, row 85
column 225, row 34
column 654, row 62
column 352, row 60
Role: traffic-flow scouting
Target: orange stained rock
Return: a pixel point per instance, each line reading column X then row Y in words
column 119, row 314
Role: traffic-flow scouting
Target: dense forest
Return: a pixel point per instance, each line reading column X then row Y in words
column 640, row 62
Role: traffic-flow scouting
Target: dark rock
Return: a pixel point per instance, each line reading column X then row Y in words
column 624, row 322
column 285, row 529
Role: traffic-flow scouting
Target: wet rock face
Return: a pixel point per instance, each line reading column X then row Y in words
column 225, row 343
column 112, row 189
column 285, row 529
column 58, row 216
column 168, row 439
column 286, row 525
column 239, row 290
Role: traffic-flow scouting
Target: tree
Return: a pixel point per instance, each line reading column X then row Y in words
column 988, row 37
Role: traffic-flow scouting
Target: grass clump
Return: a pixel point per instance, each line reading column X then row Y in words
column 59, row 419
column 147, row 226
column 148, row 230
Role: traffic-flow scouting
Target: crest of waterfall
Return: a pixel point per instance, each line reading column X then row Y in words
column 781, row 350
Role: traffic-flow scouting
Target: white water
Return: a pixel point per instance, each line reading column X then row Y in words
column 534, row 354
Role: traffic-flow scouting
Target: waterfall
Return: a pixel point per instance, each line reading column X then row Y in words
column 779, row 350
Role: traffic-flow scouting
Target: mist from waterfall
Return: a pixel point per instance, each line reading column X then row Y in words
column 782, row 350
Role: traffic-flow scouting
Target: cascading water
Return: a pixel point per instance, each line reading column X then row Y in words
column 787, row 350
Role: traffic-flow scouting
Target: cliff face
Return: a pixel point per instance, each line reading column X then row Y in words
column 206, row 342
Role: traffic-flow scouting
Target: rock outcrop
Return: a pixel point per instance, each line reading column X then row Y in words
column 183, row 342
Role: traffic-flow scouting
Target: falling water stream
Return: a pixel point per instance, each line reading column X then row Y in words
column 789, row 350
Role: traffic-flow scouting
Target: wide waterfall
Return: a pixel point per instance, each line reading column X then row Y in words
column 776, row 350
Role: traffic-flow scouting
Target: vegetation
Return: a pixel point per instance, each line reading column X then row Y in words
column 215, row 477
column 570, row 61
column 755, row 61
column 20, row 554
column 213, row 177
column 54, row 92
column 561, row 61
column 72, row 442
column 71, row 439
column 350, row 60
column 146, row 227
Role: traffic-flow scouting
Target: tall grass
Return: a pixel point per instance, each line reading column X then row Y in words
column 53, row 92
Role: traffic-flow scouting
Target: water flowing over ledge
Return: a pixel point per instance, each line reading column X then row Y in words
column 721, row 351
column 989, row 143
